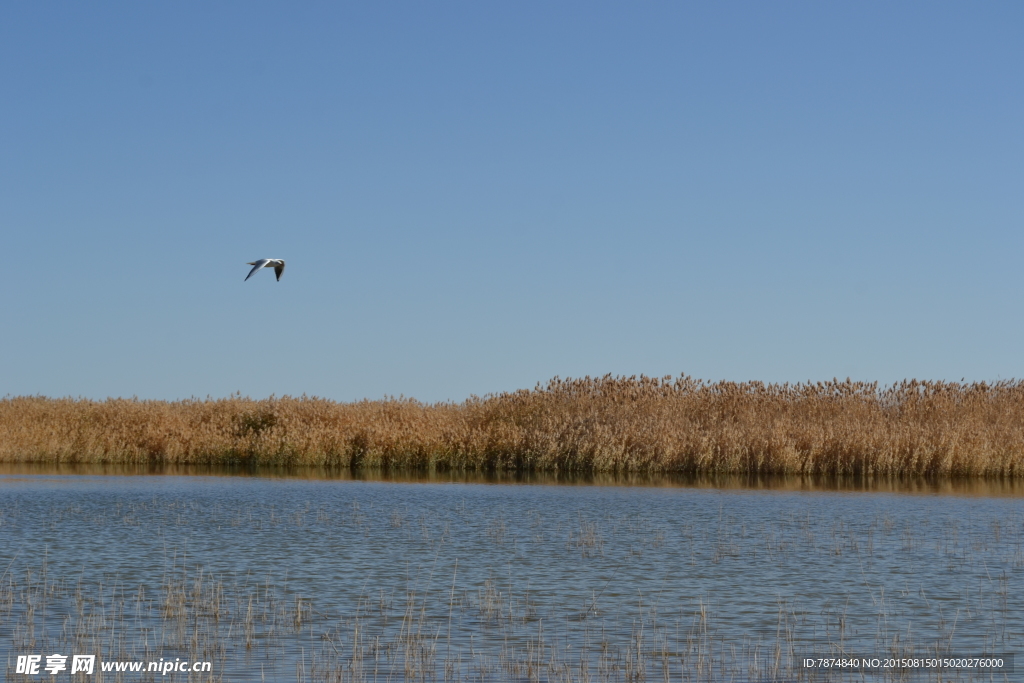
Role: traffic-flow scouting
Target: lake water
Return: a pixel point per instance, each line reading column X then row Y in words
column 308, row 579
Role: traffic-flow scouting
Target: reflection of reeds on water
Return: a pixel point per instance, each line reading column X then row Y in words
column 599, row 425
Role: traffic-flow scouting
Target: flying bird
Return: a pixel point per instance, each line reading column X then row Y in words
column 263, row 263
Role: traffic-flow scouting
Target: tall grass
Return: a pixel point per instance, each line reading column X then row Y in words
column 607, row 424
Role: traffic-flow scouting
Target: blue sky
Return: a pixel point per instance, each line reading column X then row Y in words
column 474, row 197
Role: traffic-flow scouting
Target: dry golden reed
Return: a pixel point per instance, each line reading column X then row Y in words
column 606, row 424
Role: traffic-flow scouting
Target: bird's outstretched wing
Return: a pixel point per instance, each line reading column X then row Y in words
column 256, row 265
column 278, row 270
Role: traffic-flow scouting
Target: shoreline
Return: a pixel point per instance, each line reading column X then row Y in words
column 992, row 487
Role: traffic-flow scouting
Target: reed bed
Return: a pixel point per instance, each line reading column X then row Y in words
column 606, row 424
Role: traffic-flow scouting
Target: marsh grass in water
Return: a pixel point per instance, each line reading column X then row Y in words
column 608, row 424
column 318, row 582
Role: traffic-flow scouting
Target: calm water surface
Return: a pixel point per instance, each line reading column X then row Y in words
column 306, row 579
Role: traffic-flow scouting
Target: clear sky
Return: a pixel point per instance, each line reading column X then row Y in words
column 474, row 197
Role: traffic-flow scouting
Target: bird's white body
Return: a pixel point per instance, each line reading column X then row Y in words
column 276, row 263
